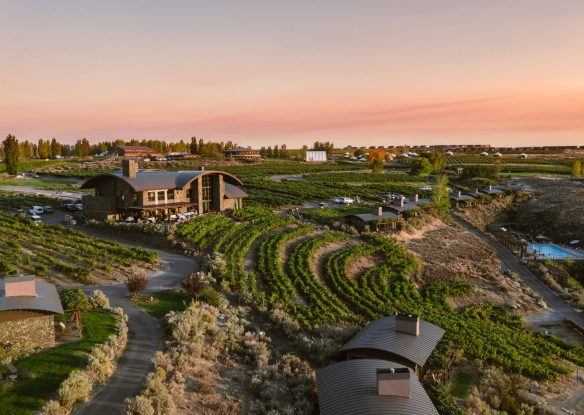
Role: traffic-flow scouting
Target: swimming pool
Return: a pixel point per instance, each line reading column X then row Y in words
column 553, row 251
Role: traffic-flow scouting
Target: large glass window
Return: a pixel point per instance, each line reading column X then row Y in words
column 170, row 194
column 207, row 194
column 152, row 196
column 161, row 196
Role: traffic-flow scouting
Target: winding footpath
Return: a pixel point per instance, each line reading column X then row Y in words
column 144, row 340
column 562, row 309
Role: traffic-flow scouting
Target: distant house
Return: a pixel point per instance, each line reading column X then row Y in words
column 143, row 194
column 132, row 151
column 27, row 309
column 407, row 209
column 377, row 221
column 242, row 153
column 315, row 156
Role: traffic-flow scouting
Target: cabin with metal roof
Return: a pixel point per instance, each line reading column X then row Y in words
column 371, row 387
column 142, row 194
column 377, row 221
column 461, row 200
column 402, row 338
column 27, row 309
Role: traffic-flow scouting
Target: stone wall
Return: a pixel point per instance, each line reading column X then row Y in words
column 27, row 326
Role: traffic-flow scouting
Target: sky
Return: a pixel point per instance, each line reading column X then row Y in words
column 387, row 72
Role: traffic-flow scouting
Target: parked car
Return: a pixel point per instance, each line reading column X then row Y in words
column 36, row 210
column 48, row 209
column 36, row 219
column 129, row 219
column 79, row 206
column 344, row 200
column 426, row 188
column 69, row 206
column 322, row 205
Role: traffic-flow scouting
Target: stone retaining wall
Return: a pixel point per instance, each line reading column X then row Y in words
column 37, row 329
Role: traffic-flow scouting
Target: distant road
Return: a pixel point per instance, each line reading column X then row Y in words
column 51, row 193
column 562, row 309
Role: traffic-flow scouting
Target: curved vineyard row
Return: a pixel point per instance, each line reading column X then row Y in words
column 325, row 306
column 201, row 232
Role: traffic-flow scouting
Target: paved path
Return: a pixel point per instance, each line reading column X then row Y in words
column 145, row 337
column 509, row 261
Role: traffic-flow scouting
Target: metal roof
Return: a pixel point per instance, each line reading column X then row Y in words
column 46, row 299
column 381, row 335
column 369, row 217
column 462, row 197
column 493, row 191
column 407, row 206
column 350, row 388
column 233, row 192
column 136, row 148
column 155, row 180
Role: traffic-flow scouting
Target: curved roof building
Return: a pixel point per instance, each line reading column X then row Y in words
column 402, row 338
column 371, row 387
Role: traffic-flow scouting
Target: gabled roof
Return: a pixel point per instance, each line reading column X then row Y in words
column 46, row 299
column 381, row 335
column 368, row 217
column 153, row 180
column 350, row 388
column 462, row 197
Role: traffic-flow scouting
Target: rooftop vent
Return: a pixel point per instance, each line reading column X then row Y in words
column 459, row 194
column 129, row 168
column 401, row 202
column 407, row 323
column 393, row 382
column 416, row 198
column 20, row 286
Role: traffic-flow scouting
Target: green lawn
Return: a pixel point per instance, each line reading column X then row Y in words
column 164, row 301
column 47, row 369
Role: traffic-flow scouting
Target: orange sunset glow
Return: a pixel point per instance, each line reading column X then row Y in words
column 380, row 72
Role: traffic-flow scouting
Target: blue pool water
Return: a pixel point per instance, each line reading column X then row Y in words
column 553, row 251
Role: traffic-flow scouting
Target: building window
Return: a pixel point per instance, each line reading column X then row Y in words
column 207, row 194
column 151, row 196
column 170, row 194
column 135, row 199
column 161, row 196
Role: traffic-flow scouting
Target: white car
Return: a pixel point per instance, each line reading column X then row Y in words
column 79, row 206
column 36, row 219
column 344, row 200
column 36, row 210
column 426, row 188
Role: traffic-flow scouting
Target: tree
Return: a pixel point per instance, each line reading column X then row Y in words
column 421, row 167
column 327, row 146
column 194, row 147
column 440, row 197
column 276, row 153
column 577, row 169
column 75, row 301
column 56, row 148
column 136, row 283
column 6, row 268
column 11, row 154
column 284, row 152
column 437, row 160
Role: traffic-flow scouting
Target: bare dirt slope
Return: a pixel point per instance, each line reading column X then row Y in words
column 450, row 253
column 556, row 210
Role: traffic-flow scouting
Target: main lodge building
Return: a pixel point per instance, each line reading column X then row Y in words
column 142, row 194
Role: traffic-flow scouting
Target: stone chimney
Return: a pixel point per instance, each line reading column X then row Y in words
column 416, row 198
column 20, row 286
column 202, row 168
column 407, row 323
column 129, row 168
column 477, row 190
column 377, row 211
column 490, row 188
column 459, row 194
column 401, row 202
column 393, row 382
